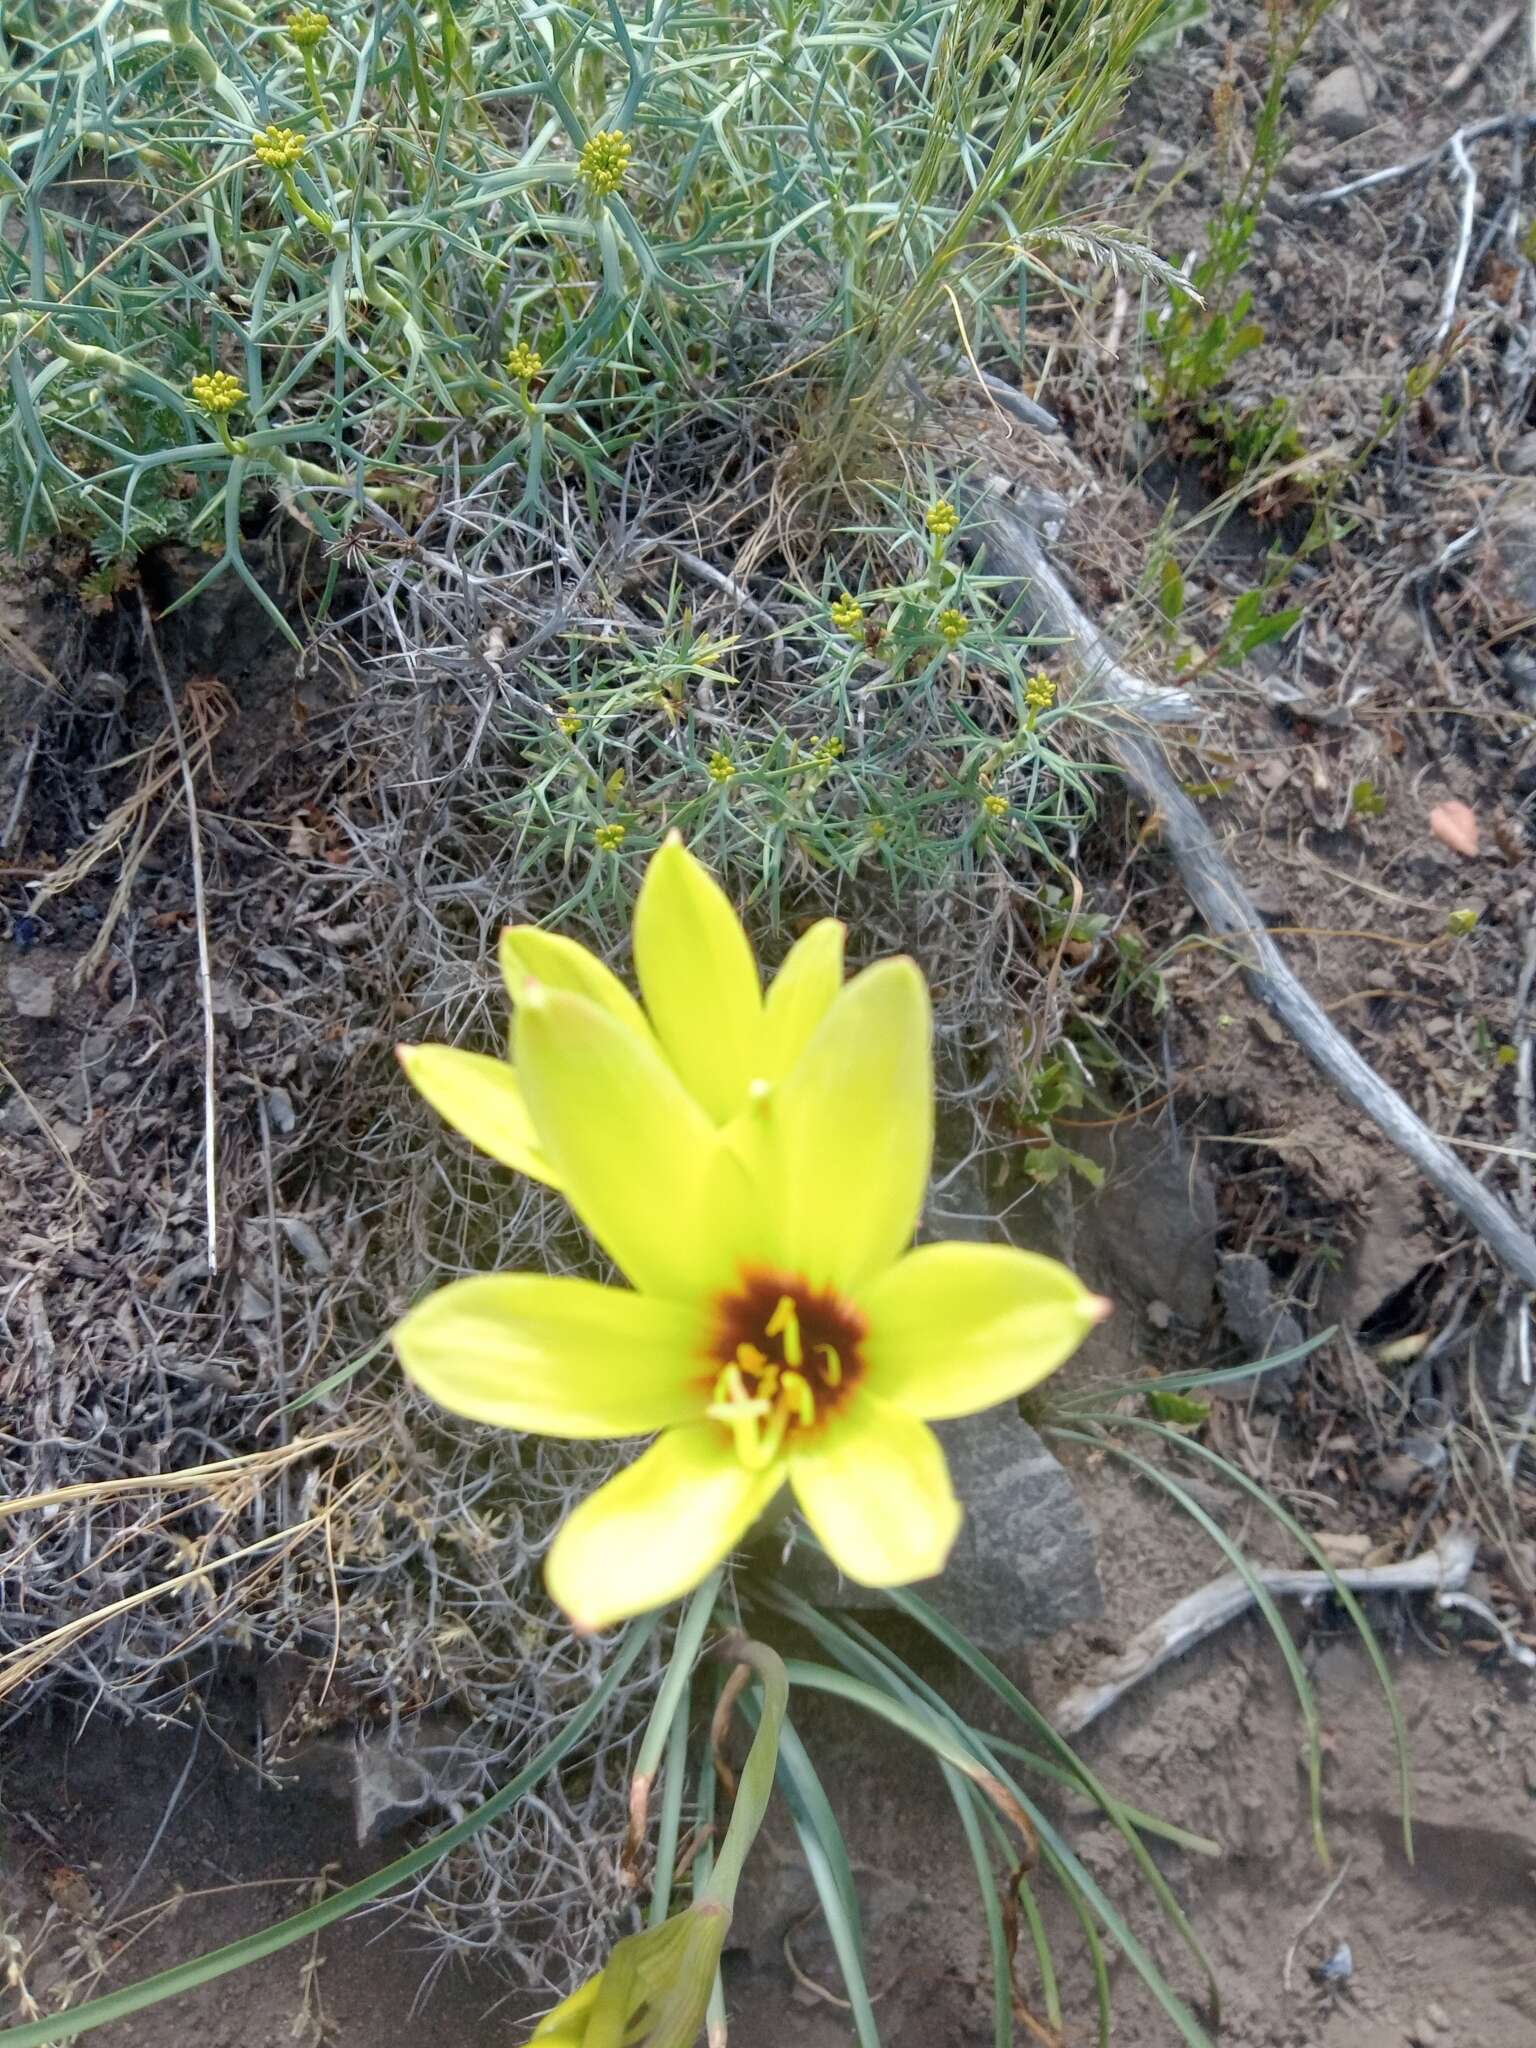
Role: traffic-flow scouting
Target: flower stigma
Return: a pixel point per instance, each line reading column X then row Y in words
column 788, row 1356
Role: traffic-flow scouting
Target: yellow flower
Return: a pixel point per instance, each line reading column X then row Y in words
column 609, row 838
column 721, row 767
column 307, row 27
column 604, row 161
column 524, row 363
column 755, row 1165
column 218, row 393
column 570, row 723
column 941, row 519
column 953, row 624
column 824, row 752
column 654, row 1988
column 995, row 806
column 1040, row 691
column 848, row 615
column 279, row 148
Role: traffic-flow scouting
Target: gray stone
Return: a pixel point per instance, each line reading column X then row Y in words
column 1164, row 161
column 1511, row 525
column 1260, row 1324
column 421, row 1768
column 1023, row 1564
column 31, row 990
column 1343, row 102
column 1149, row 1233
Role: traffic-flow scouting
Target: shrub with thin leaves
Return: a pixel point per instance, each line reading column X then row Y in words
column 377, row 218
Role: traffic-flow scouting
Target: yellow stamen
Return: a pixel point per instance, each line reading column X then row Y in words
column 750, row 1359
column 785, row 1323
column 796, row 1389
column 742, row 1415
column 833, row 1369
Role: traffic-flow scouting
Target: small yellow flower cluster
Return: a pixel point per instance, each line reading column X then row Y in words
column 848, row 615
column 279, row 148
column 524, row 363
column 218, row 393
column 953, row 624
column 570, row 724
column 609, row 838
column 307, row 27
column 824, row 752
column 604, row 161
column 721, row 767
column 1039, row 691
column 995, row 806
column 941, row 519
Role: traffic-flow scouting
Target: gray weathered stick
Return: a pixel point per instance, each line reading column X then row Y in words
column 1442, row 1570
column 1013, row 547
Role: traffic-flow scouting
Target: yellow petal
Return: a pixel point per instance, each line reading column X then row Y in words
column 566, row 2026
column 526, row 953
column 479, row 1096
column 800, row 995
column 652, row 1533
column 958, row 1327
column 699, row 979
column 851, row 1132
column 875, row 1489
column 633, row 1150
column 555, row 1356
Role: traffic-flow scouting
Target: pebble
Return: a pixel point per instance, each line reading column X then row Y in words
column 31, row 990
column 1343, row 102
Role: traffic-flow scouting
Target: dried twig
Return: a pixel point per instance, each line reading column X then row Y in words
column 1474, row 131
column 1328, row 1891
column 1481, row 51
column 1224, row 903
column 1441, row 1570
column 1458, row 270
column 204, row 967
column 1103, row 673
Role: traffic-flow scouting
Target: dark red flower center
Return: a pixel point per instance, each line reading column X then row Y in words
column 785, row 1356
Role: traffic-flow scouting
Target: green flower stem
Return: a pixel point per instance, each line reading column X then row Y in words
column 755, row 1788
column 178, row 22
column 317, row 98
column 301, row 204
column 184, row 38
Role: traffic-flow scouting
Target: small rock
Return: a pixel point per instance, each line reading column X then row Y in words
column 1412, row 293
column 31, row 990
column 415, row 1770
column 1512, row 544
column 225, row 1000
column 1397, row 634
column 1299, row 82
column 1519, row 459
column 1343, row 102
column 1164, row 161
column 1260, row 1324
column 1301, row 170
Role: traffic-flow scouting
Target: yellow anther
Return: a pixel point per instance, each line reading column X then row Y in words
column 785, row 1323
column 832, row 1370
column 796, row 1389
column 749, row 1358
column 743, row 1416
